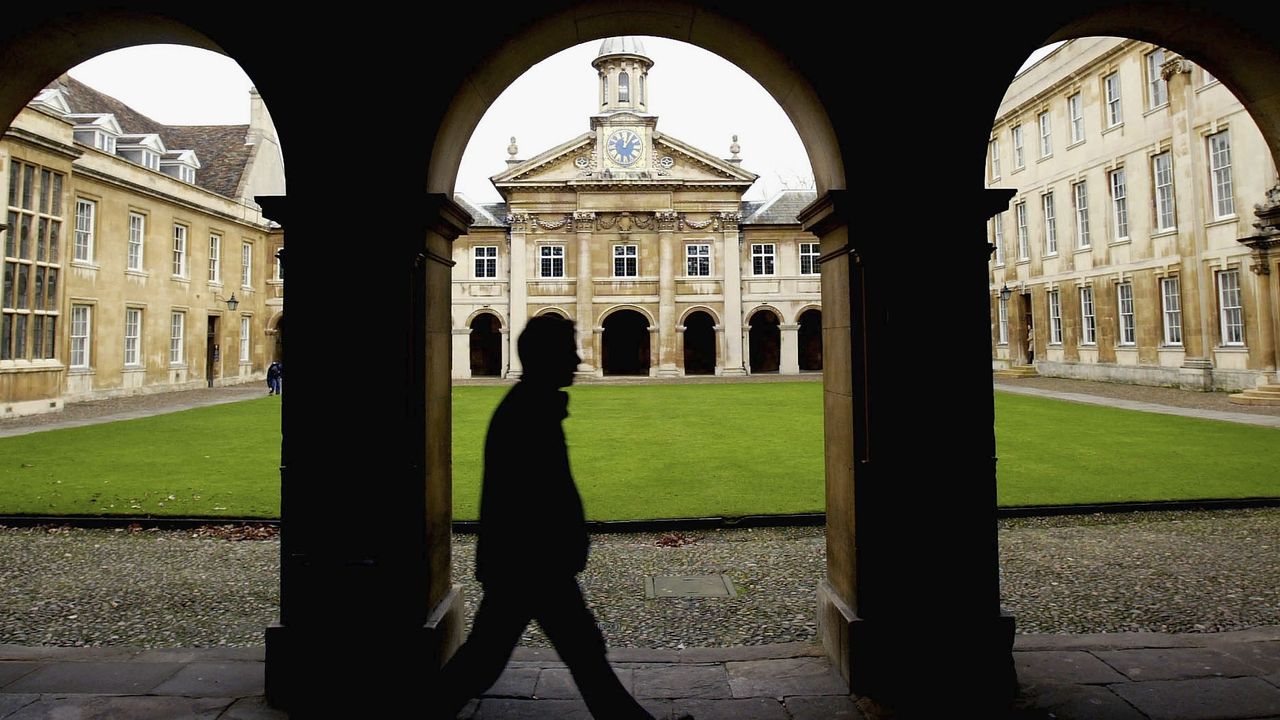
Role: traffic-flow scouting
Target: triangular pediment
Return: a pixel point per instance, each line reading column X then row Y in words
column 558, row 165
column 576, row 163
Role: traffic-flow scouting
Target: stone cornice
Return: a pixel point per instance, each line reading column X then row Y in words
column 29, row 138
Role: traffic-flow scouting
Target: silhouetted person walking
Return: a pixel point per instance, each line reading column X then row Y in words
column 533, row 539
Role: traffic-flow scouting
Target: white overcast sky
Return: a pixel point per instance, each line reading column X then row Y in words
column 699, row 98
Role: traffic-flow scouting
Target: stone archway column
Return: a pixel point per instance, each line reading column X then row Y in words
column 679, row 351
column 461, row 353
column 506, row 349
column 655, row 338
column 667, row 359
column 912, row 555
column 597, row 346
column 518, row 287
column 583, row 223
column 789, row 349
column 720, row 349
column 734, row 335
column 367, row 603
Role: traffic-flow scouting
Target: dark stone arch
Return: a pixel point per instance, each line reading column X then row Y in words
column 625, row 345
column 809, row 335
column 486, row 346
column 766, row 342
column 699, row 344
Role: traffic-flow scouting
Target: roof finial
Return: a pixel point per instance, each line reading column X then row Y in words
column 512, row 151
column 734, row 149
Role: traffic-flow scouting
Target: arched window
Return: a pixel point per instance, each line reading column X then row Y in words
column 624, row 87
column 604, row 89
column 640, row 98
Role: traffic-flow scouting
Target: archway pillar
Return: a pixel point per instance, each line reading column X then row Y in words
column 789, row 347
column 735, row 333
column 461, row 353
column 909, row 611
column 583, row 223
column 367, row 603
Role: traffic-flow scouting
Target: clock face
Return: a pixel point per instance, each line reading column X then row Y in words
column 623, row 147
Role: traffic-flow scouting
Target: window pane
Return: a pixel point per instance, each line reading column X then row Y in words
column 55, row 240
column 28, row 183
column 23, row 276
column 51, row 290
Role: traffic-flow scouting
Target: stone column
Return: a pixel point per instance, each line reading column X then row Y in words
column 1196, row 372
column 734, row 363
column 461, row 352
column 1264, row 252
column 789, row 347
column 654, row 347
column 882, row 585
column 597, row 348
column 679, row 352
column 518, row 285
column 583, row 223
column 721, row 345
column 666, row 221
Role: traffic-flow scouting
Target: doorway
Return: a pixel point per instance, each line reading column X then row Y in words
column 213, row 353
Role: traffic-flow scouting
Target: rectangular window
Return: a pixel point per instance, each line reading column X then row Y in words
column 1088, row 323
column 80, row 336
column 486, row 261
column 1112, row 86
column 244, row 339
column 762, row 259
column 1075, row 108
column 177, row 327
column 1119, row 205
column 1128, row 329
column 995, row 159
column 30, row 302
column 1224, row 203
column 137, row 232
column 215, row 259
column 625, row 261
column 1023, row 250
column 1157, row 88
column 698, row 260
column 1171, row 299
column 551, row 261
column 180, row 251
column 808, row 258
column 1046, row 135
column 1232, row 312
column 132, row 336
column 1003, row 307
column 1055, row 318
column 1162, row 176
column 1082, row 214
column 1050, row 226
column 997, row 236
column 86, row 213
column 1019, row 160
column 246, row 265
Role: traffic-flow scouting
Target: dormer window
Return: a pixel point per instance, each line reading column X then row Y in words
column 146, row 150
column 104, row 142
column 624, row 87
column 150, row 160
column 181, row 164
column 97, row 130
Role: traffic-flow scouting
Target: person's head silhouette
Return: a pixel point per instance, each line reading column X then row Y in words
column 548, row 351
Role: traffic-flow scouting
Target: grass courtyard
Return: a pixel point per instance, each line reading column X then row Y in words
column 729, row 449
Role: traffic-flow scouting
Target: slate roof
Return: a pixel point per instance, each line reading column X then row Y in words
column 221, row 149
column 781, row 209
column 483, row 214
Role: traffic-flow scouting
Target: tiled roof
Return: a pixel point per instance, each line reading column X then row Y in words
column 221, row 149
column 483, row 214
column 781, row 209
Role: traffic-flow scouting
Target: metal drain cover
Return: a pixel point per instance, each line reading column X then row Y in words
column 688, row 586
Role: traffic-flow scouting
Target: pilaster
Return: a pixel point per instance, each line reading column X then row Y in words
column 666, row 355
column 518, row 285
column 583, row 223
column 731, row 243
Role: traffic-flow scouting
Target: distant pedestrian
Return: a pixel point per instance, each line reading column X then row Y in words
column 275, row 372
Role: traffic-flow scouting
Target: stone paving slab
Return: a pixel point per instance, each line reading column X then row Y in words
column 1265, row 656
column 1064, row 667
column 515, row 682
column 66, row 654
column 1105, row 641
column 736, row 709
column 1202, row 699
column 95, row 677
column 557, row 683
column 10, row 671
column 516, row 709
column 215, row 654
column 253, row 708
column 216, row 679
column 1174, row 664
column 828, row 707
column 98, row 707
column 782, row 678
column 1079, row 702
column 10, row 704
column 682, row 681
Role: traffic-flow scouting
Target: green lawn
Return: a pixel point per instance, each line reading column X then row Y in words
column 641, row 451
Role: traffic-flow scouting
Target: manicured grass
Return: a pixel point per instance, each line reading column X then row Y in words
column 1060, row 453
column 641, row 451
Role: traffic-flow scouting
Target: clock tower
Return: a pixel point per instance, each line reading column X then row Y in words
column 623, row 127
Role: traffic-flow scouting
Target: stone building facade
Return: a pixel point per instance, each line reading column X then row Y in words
column 1128, row 250
column 125, row 244
column 646, row 243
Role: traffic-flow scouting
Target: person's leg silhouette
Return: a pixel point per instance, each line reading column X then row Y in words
column 500, row 621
